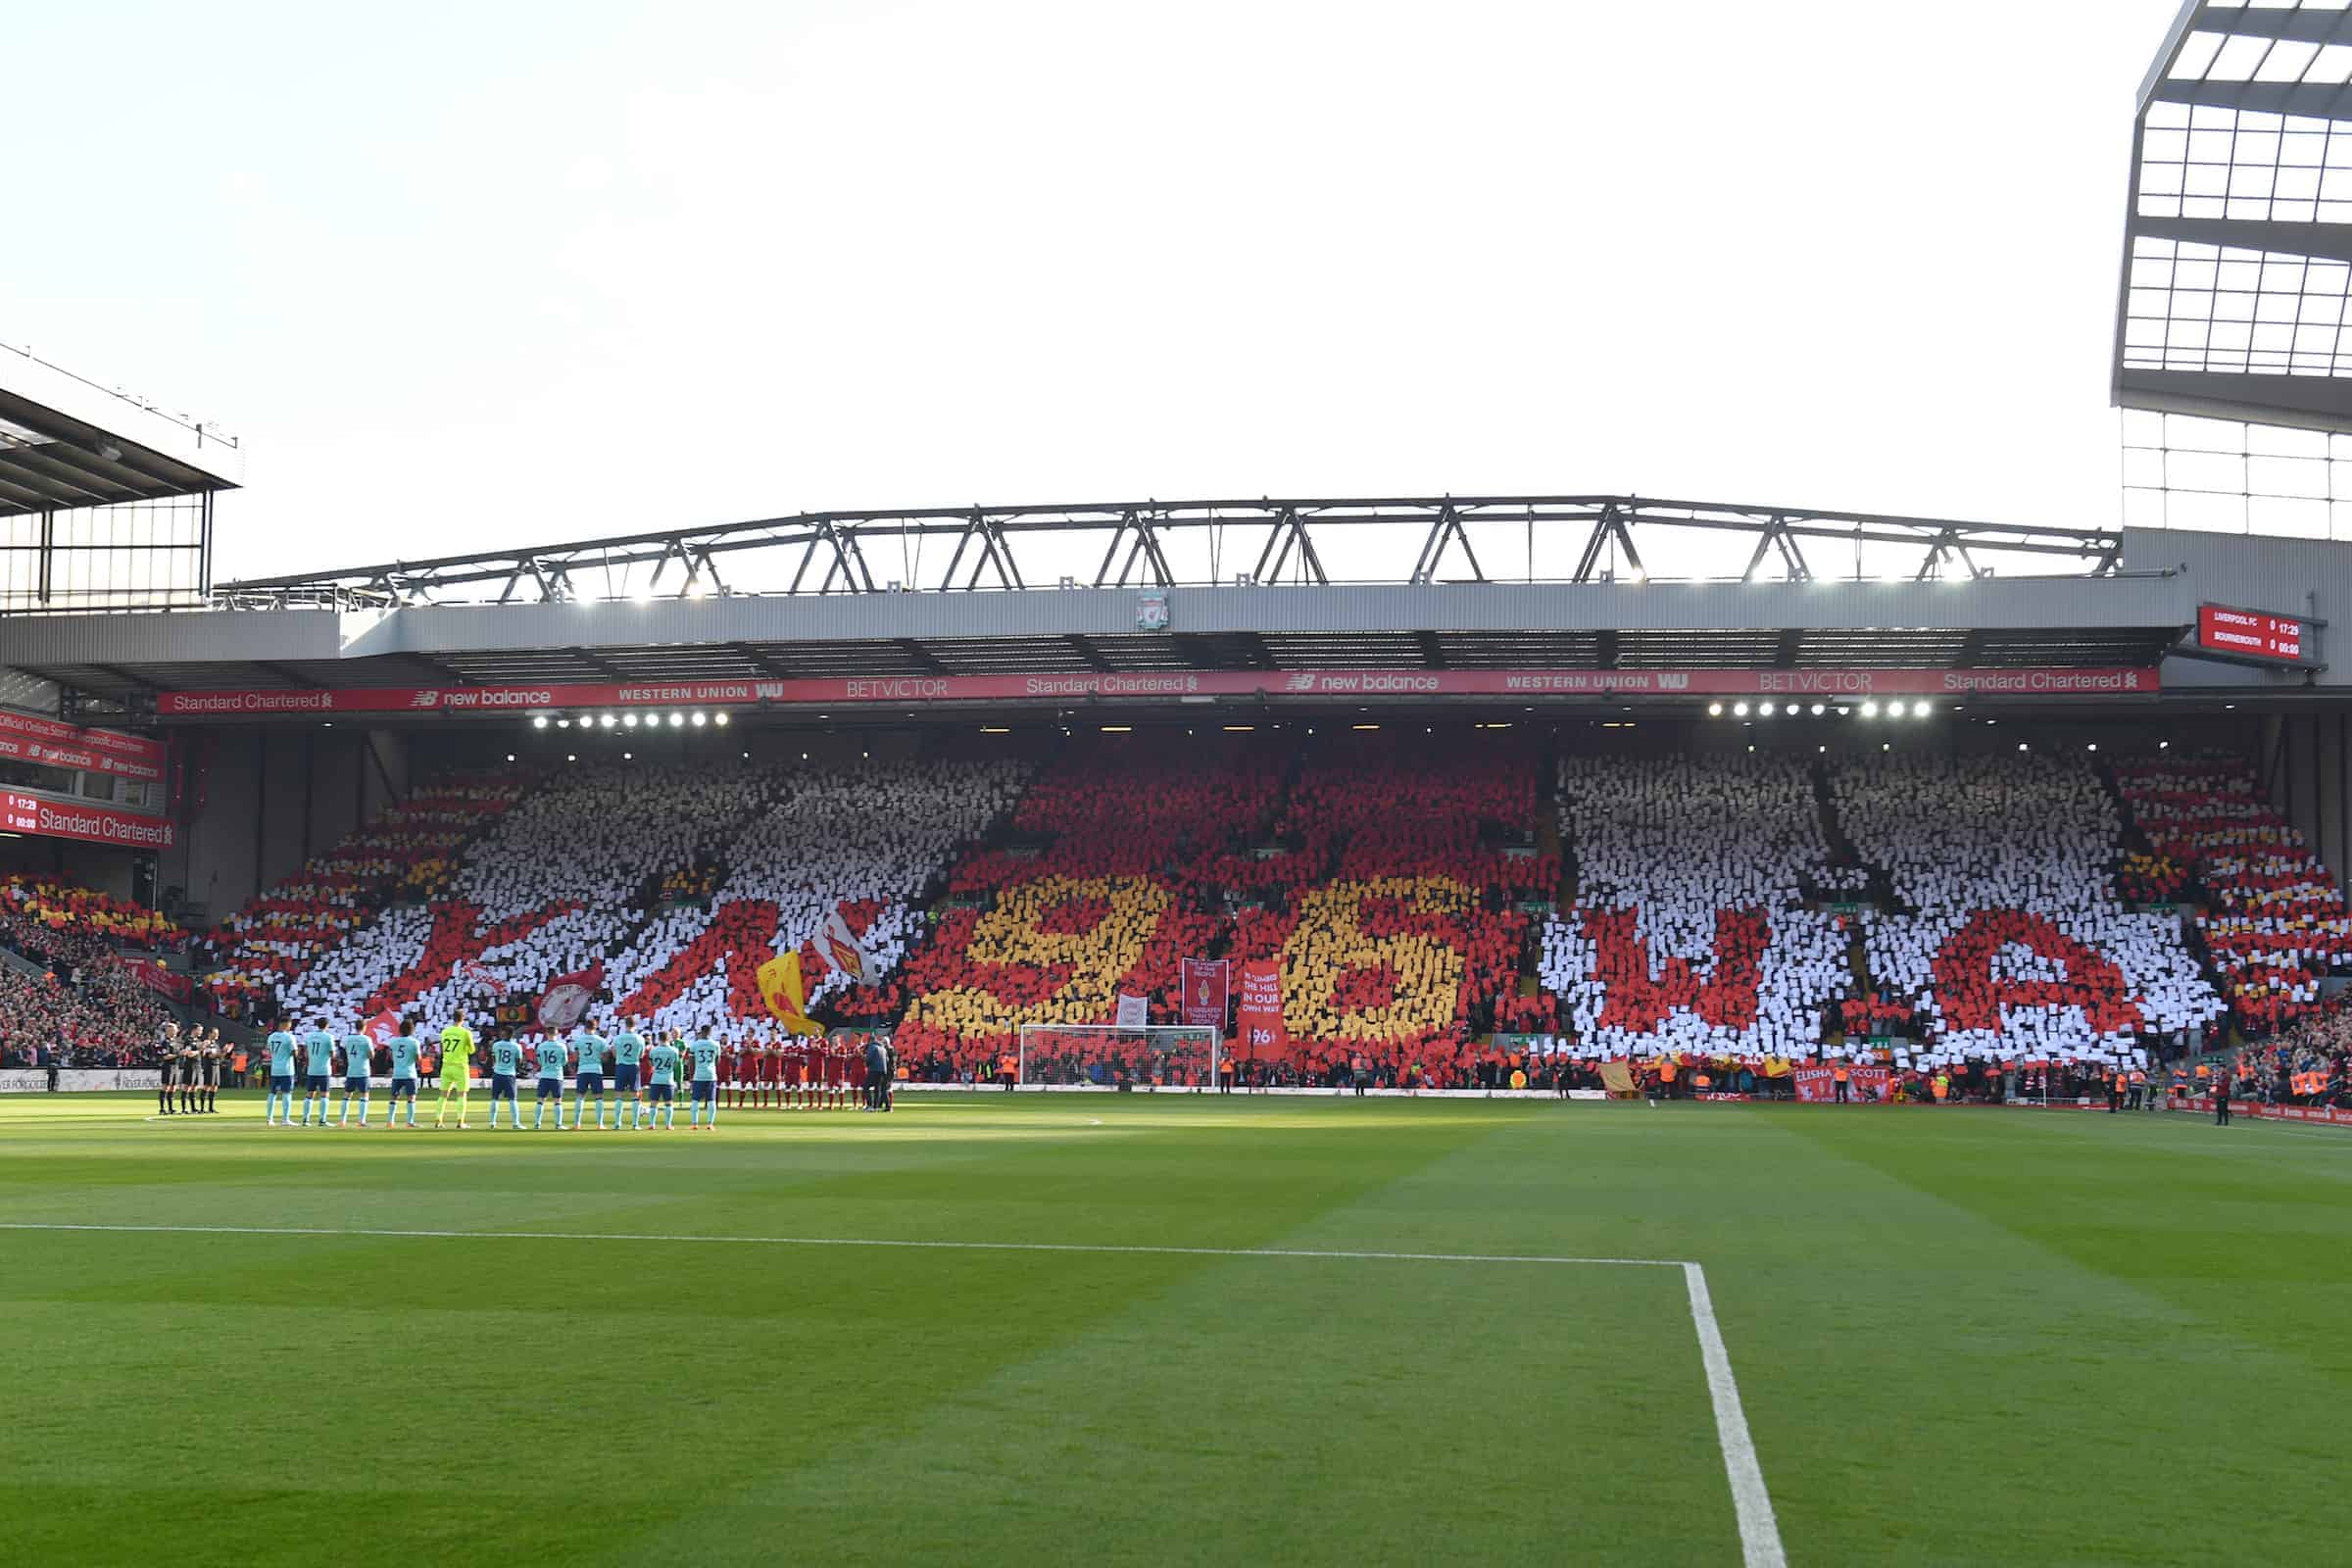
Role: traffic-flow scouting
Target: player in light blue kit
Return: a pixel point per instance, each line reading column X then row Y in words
column 358, row 1062
column 588, row 1069
column 553, row 1055
column 506, row 1065
column 318, row 1070
column 662, row 1095
column 282, row 1071
column 703, row 1052
column 406, row 1049
column 628, row 1056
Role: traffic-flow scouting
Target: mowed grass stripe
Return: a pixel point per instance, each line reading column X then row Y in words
column 1960, row 1337
column 711, row 1353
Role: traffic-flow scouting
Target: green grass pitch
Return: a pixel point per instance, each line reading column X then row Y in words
column 1959, row 1336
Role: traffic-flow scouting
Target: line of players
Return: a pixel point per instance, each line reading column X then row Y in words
column 190, row 1067
column 794, row 1073
column 644, row 1075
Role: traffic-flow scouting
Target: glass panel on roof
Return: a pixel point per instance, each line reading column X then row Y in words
column 2286, row 61
column 2238, row 58
column 2196, row 55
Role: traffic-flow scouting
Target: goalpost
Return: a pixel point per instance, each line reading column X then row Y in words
column 1173, row 1056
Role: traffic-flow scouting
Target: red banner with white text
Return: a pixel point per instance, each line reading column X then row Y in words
column 52, row 743
column 98, row 824
column 2320, row 1115
column 1868, row 1086
column 1207, row 982
column 154, row 977
column 1805, row 685
column 1258, row 1030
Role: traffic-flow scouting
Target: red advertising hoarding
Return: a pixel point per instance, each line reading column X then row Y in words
column 1805, row 685
column 97, row 825
column 52, row 743
column 2253, row 634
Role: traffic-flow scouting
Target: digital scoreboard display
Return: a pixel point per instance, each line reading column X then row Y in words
column 2255, row 634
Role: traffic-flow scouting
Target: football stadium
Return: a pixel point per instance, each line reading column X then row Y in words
column 1349, row 1028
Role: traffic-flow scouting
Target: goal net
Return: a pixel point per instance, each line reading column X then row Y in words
column 1171, row 1055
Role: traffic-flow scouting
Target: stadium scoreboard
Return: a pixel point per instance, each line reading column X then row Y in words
column 2258, row 636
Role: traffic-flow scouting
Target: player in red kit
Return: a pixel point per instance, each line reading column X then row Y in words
column 773, row 1065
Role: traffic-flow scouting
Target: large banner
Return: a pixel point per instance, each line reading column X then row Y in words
column 1868, row 1086
column 843, row 951
column 475, row 972
column 786, row 994
column 1207, row 984
column 1823, row 685
column 54, row 743
column 565, row 1001
column 1133, row 1012
column 98, row 824
column 1258, row 1029
column 154, row 977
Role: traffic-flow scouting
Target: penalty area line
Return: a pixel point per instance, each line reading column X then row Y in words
column 1759, row 1531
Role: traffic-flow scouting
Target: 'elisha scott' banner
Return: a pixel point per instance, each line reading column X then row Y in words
column 1808, row 685
column 1819, row 1084
column 100, row 825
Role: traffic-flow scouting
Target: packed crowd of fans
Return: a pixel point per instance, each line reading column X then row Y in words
column 2308, row 1061
column 1385, row 879
column 875, row 839
column 61, row 906
column 1402, row 940
column 2010, row 944
column 1689, row 932
column 547, row 891
column 2273, row 920
column 406, row 854
column 1105, row 883
column 85, row 1006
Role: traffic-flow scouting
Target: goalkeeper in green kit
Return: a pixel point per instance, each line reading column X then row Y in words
column 456, row 1073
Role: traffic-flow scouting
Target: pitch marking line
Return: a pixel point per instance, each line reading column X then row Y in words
column 1759, row 1531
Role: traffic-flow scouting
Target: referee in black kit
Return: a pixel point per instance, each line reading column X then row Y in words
column 167, row 1054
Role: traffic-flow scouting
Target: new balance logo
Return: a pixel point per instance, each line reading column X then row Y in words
column 428, row 698
column 1303, row 681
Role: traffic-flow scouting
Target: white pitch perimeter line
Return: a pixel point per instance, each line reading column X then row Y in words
column 1759, row 1531
column 841, row 1241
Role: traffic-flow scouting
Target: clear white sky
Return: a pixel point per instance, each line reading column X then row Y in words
column 471, row 274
